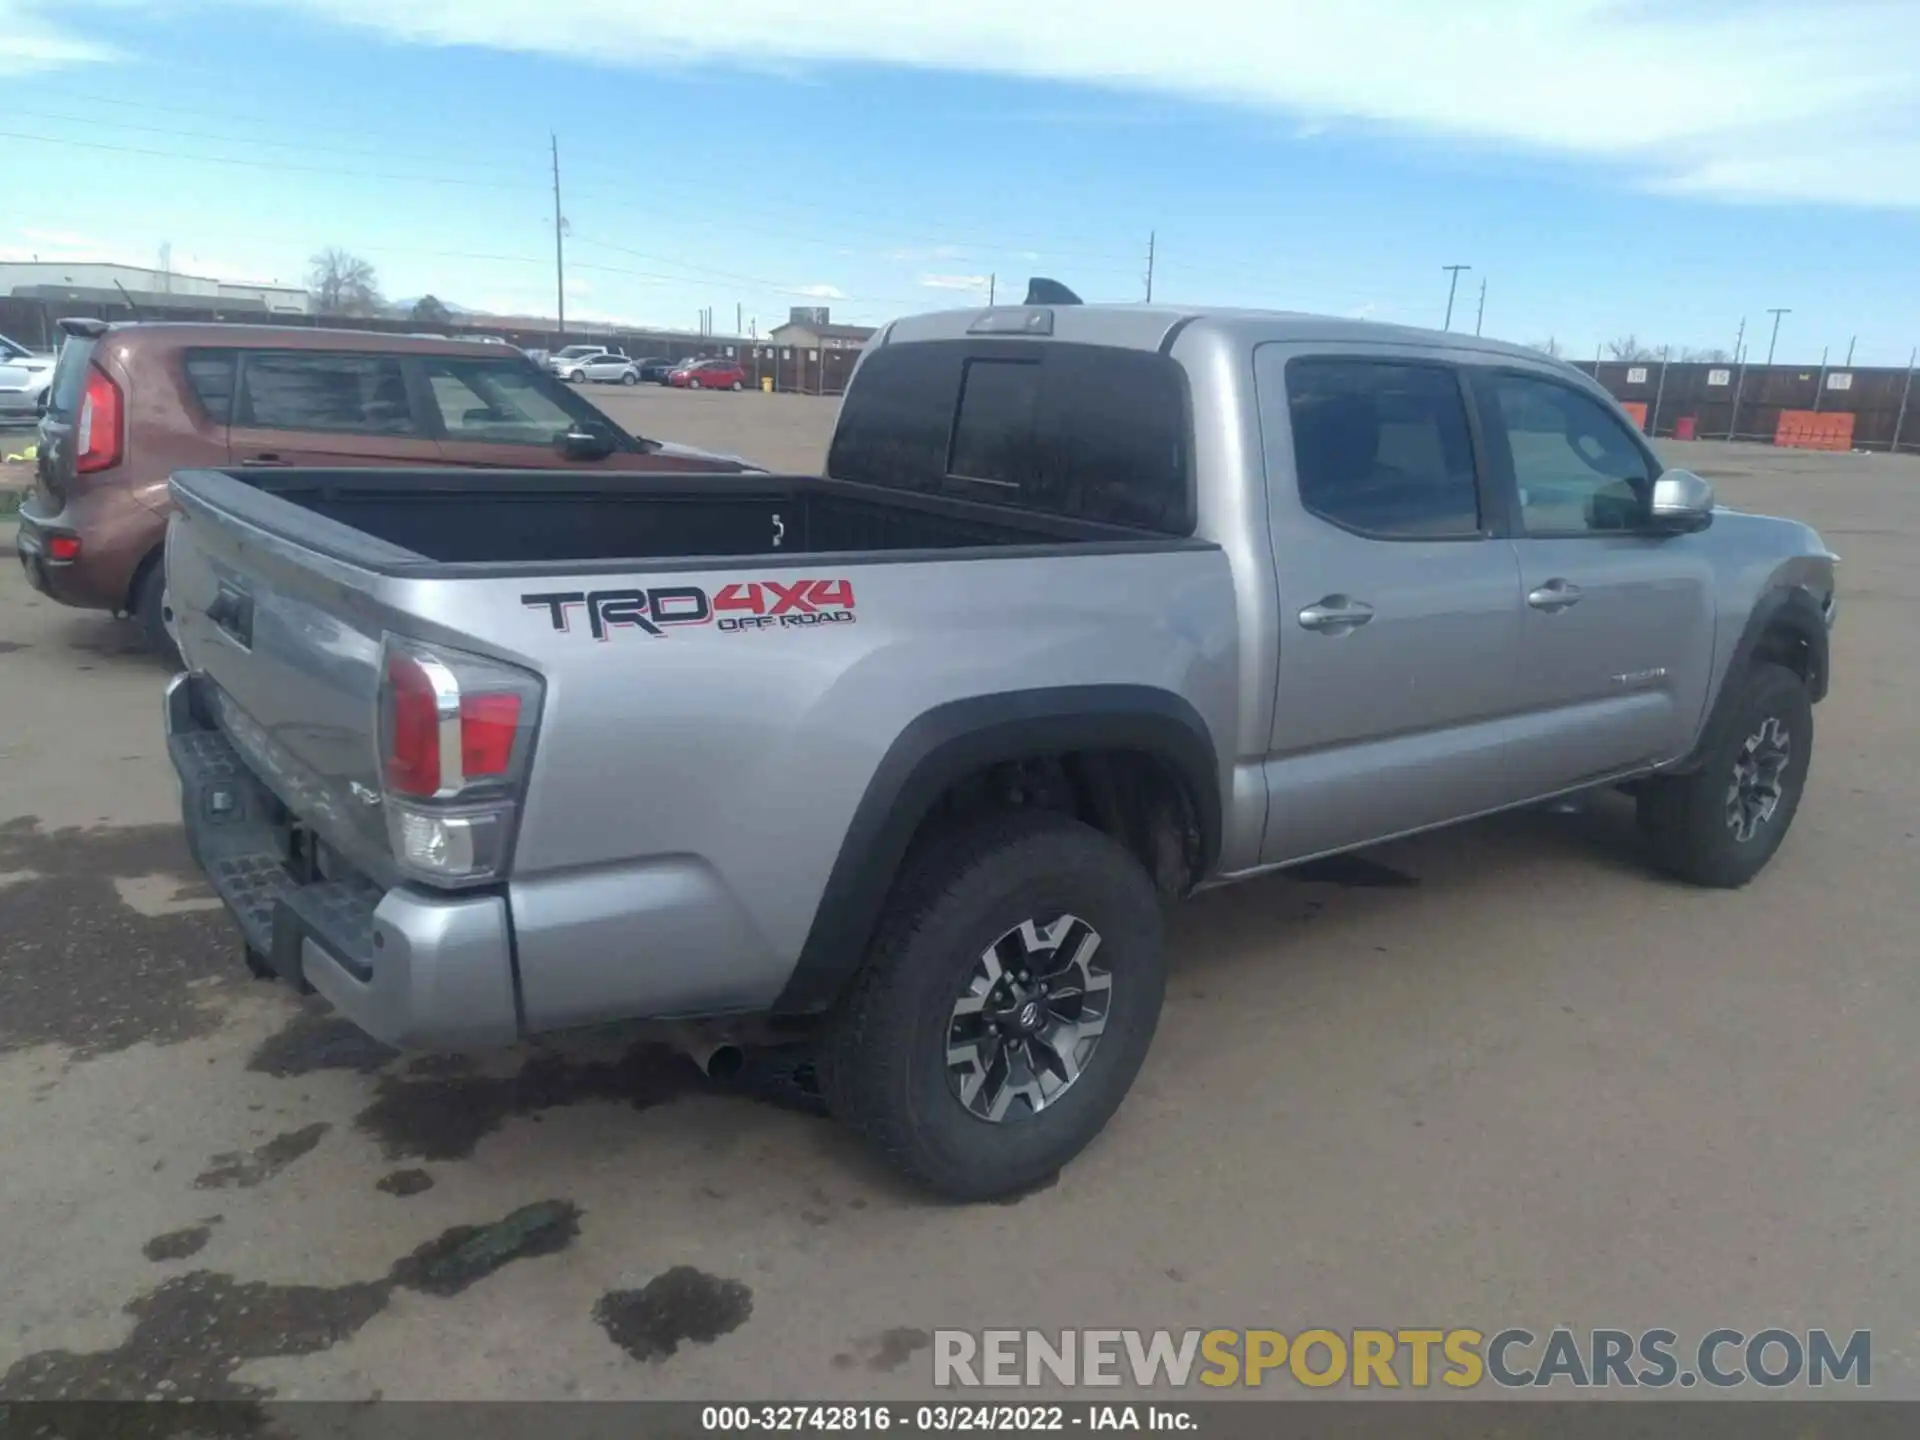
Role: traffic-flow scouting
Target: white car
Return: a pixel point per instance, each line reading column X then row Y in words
column 24, row 377
column 605, row 367
column 563, row 362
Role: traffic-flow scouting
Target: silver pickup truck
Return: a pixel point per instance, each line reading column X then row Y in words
column 1094, row 607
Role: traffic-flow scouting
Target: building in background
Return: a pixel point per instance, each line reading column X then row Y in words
column 810, row 327
column 152, row 290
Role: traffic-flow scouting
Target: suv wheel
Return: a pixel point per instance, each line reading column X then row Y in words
column 1719, row 826
column 150, row 612
column 1007, row 1003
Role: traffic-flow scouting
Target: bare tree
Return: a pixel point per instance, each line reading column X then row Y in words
column 1549, row 346
column 428, row 310
column 1628, row 347
column 343, row 284
column 1711, row 355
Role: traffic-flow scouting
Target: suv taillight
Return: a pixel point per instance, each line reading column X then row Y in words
column 456, row 737
column 96, row 435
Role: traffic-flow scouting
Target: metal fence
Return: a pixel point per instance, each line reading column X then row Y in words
column 35, row 323
column 1726, row 401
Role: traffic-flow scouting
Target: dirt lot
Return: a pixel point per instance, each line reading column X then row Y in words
column 1497, row 1077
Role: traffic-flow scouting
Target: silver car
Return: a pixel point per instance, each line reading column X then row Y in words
column 24, row 377
column 606, row 368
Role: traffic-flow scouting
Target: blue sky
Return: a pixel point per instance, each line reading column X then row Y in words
column 1607, row 166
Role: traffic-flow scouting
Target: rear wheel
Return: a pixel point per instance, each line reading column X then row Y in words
column 736, row 387
column 1719, row 826
column 693, row 384
column 150, row 612
column 630, row 378
column 1007, row 1003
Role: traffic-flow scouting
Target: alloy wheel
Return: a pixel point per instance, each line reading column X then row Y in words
column 1758, row 772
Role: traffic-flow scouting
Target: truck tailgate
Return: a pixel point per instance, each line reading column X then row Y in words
column 289, row 654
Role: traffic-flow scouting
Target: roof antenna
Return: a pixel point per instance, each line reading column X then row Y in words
column 128, row 298
column 1042, row 291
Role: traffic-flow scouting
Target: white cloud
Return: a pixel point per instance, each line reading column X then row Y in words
column 1771, row 98
column 954, row 282
column 30, row 42
column 820, row 292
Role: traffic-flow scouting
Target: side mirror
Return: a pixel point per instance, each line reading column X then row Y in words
column 586, row 441
column 1681, row 503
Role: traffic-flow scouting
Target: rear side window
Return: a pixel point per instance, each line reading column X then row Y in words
column 1076, row 430
column 314, row 390
column 1383, row 448
column 210, row 377
column 69, row 376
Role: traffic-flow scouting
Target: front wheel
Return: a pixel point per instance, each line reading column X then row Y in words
column 629, row 378
column 693, row 384
column 1007, row 1002
column 577, row 377
column 1720, row 825
column 736, row 387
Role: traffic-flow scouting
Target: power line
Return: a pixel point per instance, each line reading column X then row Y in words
column 259, row 164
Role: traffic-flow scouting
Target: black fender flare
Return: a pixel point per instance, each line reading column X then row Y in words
column 952, row 741
column 1788, row 608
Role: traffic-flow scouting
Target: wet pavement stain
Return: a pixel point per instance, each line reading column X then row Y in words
column 404, row 1183
column 177, row 1244
column 428, row 1113
column 165, row 972
column 1354, row 872
column 453, row 1261
column 318, row 1039
column 680, row 1305
column 191, row 1333
column 9, row 647
column 244, row 1169
column 891, row 1349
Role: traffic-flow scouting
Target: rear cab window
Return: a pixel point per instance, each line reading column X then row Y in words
column 1080, row 431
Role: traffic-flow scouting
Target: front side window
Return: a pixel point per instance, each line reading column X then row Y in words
column 1577, row 468
column 504, row 402
column 314, row 390
column 1383, row 448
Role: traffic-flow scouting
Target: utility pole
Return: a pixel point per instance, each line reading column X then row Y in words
column 1776, row 313
column 1850, row 343
column 1152, row 236
column 1653, row 420
column 739, row 313
column 559, row 250
column 1481, row 313
column 1740, row 336
column 1820, row 380
column 992, row 281
column 1453, row 282
column 1739, row 383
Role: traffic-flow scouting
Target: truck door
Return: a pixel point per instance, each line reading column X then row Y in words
column 1617, row 631
column 1399, row 599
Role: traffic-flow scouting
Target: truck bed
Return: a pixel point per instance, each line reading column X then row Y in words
column 460, row 520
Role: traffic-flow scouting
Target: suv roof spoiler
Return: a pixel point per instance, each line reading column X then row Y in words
column 83, row 327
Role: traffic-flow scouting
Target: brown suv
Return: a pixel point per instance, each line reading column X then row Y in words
column 130, row 404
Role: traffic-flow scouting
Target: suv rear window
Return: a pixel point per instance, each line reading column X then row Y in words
column 1085, row 431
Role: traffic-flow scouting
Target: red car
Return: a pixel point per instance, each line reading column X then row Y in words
column 709, row 375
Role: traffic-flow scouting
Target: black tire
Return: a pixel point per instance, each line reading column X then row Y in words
column 1696, row 827
column 150, row 613
column 884, row 1066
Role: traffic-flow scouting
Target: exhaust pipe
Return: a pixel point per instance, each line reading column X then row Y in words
column 718, row 1057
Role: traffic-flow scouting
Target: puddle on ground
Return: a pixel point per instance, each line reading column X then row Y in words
column 244, row 1169
column 64, row 923
column 178, row 1244
column 404, row 1183
column 318, row 1039
column 428, row 1114
column 680, row 1305
column 191, row 1333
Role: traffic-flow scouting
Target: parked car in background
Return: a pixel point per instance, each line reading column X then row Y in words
column 606, row 369
column 130, row 404
column 560, row 361
column 710, row 375
column 655, row 372
column 24, row 377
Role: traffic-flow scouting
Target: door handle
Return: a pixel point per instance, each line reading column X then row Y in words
column 1554, row 596
column 1335, row 615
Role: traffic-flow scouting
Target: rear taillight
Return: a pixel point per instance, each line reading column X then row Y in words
column 456, row 737
column 63, row 548
column 96, row 435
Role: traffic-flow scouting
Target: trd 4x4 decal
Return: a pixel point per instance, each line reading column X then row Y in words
column 741, row 606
